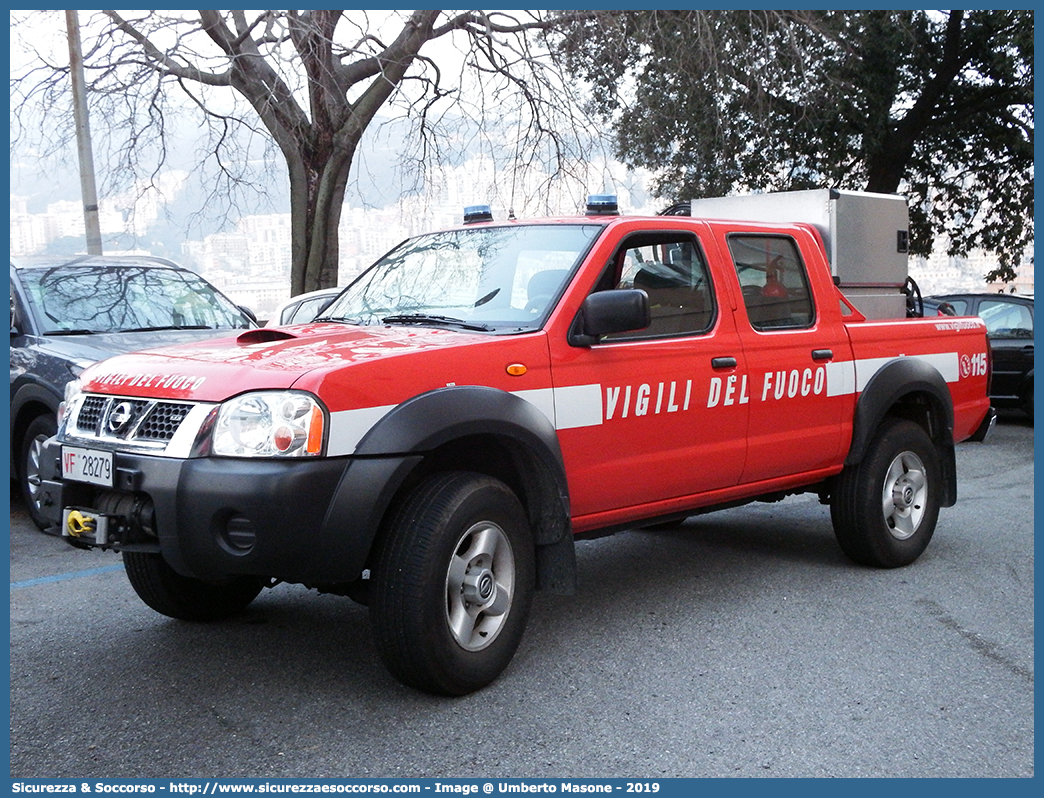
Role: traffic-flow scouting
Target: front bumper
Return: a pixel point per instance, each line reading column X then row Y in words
column 308, row 521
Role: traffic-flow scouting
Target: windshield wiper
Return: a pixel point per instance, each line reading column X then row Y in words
column 341, row 319
column 168, row 327
column 424, row 318
column 73, row 332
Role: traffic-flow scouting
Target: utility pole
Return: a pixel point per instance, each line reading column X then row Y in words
column 83, row 137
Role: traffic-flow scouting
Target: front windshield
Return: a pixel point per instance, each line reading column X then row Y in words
column 485, row 278
column 122, row 298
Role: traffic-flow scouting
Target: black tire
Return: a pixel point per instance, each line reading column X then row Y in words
column 452, row 584
column 39, row 430
column 184, row 598
column 1027, row 400
column 884, row 510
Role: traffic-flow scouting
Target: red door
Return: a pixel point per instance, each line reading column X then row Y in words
column 655, row 415
column 796, row 351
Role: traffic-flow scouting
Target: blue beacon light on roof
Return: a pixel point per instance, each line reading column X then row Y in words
column 477, row 213
column 602, row 205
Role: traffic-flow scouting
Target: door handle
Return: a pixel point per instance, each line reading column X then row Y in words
column 822, row 354
column 723, row 362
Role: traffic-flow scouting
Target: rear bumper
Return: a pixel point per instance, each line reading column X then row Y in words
column 985, row 430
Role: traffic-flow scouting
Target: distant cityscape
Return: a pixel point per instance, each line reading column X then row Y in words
column 251, row 263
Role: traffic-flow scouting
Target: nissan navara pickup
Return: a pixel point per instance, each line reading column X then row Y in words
column 480, row 397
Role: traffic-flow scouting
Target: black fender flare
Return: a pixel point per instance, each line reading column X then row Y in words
column 26, row 395
column 399, row 441
column 431, row 419
column 34, row 393
column 897, row 379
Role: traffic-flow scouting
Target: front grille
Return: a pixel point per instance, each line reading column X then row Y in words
column 91, row 413
column 162, row 421
column 132, row 410
column 145, row 423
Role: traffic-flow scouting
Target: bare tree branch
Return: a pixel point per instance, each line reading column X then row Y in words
column 313, row 83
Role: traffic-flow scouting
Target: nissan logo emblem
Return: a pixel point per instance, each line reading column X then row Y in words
column 120, row 415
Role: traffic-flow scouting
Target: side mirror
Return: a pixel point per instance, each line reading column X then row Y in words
column 606, row 312
column 248, row 313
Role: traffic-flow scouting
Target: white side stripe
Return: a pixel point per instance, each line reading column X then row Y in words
column 841, row 377
column 566, row 408
column 946, row 363
column 578, row 406
column 575, row 406
column 569, row 407
column 347, row 427
column 543, row 399
column 851, row 376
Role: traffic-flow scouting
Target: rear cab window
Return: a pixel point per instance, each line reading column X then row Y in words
column 773, row 280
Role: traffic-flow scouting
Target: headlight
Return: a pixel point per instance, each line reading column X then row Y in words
column 269, row 424
column 73, row 390
column 73, row 396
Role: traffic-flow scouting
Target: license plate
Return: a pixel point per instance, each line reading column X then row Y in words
column 87, row 465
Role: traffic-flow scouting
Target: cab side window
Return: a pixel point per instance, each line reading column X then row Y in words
column 773, row 280
column 672, row 271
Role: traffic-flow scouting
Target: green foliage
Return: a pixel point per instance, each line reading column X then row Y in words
column 935, row 105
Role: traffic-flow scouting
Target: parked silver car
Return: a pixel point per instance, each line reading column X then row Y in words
column 303, row 308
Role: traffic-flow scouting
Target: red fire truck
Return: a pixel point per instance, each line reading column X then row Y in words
column 434, row 443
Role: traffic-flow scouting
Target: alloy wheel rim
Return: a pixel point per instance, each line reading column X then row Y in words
column 33, row 479
column 480, row 585
column 904, row 497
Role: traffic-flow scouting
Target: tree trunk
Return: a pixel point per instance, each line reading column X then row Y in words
column 316, row 197
column 322, row 157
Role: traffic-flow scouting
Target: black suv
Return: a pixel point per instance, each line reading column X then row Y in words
column 1009, row 324
column 68, row 312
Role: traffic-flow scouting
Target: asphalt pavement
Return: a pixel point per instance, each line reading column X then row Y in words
column 739, row 643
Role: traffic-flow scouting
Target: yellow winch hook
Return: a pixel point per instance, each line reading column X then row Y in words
column 77, row 523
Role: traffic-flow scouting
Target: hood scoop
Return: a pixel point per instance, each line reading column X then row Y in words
column 263, row 335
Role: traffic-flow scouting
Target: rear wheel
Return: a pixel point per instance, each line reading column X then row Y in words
column 184, row 598
column 29, row 465
column 884, row 509
column 452, row 585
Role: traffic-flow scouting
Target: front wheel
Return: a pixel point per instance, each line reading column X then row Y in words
column 884, row 509
column 452, row 584
column 182, row 597
column 30, row 465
